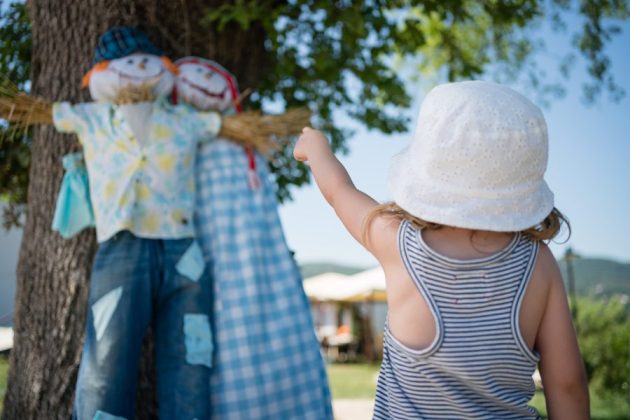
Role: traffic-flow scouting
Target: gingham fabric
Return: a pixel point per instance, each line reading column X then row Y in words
column 121, row 41
column 267, row 363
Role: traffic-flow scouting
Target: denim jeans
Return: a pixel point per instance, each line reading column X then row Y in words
column 135, row 283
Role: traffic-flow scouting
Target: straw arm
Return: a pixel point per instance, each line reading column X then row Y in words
column 25, row 110
column 266, row 133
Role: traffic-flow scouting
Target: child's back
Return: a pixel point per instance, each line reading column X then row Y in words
column 475, row 299
column 475, row 361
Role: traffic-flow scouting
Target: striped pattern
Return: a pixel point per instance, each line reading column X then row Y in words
column 267, row 362
column 478, row 366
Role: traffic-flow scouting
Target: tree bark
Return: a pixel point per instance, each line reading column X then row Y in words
column 53, row 274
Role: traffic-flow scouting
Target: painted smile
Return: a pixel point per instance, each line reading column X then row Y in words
column 220, row 95
column 138, row 78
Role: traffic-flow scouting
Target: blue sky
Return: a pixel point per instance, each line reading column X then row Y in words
column 589, row 172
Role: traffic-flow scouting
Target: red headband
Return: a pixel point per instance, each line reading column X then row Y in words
column 231, row 80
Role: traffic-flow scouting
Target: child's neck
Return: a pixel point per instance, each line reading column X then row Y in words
column 466, row 244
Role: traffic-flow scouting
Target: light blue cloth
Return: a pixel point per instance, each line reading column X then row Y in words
column 267, row 362
column 100, row 415
column 103, row 310
column 191, row 264
column 198, row 339
column 73, row 212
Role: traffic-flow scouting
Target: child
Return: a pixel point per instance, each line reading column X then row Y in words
column 475, row 297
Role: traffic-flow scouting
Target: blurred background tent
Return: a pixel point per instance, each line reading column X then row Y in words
column 349, row 313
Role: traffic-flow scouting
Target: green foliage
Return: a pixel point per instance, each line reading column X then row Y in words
column 604, row 335
column 241, row 11
column 346, row 56
column 603, row 406
column 592, row 39
column 15, row 43
column 15, row 154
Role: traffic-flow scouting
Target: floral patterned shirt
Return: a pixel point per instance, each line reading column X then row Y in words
column 147, row 189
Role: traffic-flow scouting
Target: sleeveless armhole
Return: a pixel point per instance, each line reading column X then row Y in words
column 516, row 307
column 405, row 229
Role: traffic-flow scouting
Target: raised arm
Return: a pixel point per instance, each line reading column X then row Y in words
column 561, row 366
column 351, row 205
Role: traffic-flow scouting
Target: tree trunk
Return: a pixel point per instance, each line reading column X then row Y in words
column 53, row 274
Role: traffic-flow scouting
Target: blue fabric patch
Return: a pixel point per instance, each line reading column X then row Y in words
column 198, row 339
column 101, row 415
column 103, row 309
column 73, row 211
column 191, row 264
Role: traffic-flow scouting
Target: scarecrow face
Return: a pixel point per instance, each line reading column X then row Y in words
column 204, row 86
column 138, row 68
column 133, row 71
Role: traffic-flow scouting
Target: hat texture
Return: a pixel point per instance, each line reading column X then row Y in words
column 122, row 41
column 477, row 160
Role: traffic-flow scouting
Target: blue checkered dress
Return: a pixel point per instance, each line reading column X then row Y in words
column 267, row 363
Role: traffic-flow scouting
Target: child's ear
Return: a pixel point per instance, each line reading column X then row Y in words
column 169, row 65
column 97, row 67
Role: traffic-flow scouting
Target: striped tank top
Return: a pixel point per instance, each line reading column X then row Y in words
column 478, row 365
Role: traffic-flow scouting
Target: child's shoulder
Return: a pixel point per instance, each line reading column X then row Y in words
column 544, row 274
column 546, row 264
column 382, row 239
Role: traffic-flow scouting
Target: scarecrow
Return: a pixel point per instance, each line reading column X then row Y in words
column 139, row 152
column 263, row 331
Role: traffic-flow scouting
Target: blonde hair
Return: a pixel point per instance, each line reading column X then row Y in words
column 546, row 230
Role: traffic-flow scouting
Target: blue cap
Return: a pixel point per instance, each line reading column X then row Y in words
column 122, row 41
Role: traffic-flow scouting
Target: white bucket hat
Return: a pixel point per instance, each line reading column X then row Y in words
column 476, row 161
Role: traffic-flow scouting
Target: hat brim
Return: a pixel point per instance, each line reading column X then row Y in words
column 509, row 212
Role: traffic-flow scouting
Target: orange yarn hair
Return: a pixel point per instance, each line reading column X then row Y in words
column 170, row 66
column 85, row 82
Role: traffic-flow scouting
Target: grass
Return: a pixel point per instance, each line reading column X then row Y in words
column 4, row 370
column 358, row 381
column 353, row 381
column 602, row 408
